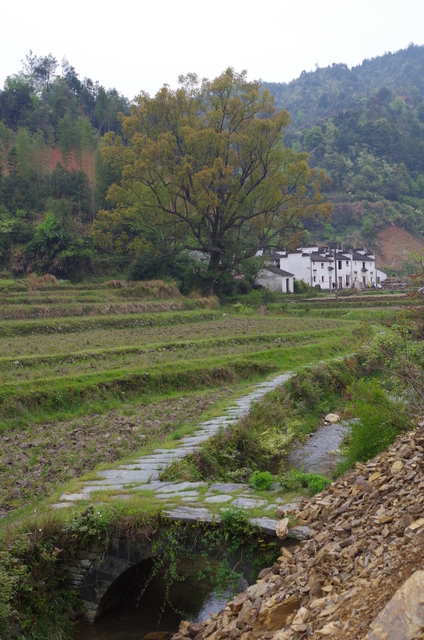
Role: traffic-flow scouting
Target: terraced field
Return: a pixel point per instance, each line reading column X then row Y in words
column 109, row 370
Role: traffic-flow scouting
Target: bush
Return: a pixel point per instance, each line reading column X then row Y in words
column 261, row 480
column 380, row 420
column 299, row 286
column 294, row 480
column 318, row 388
column 183, row 268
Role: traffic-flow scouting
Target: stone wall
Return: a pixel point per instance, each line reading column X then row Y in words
column 99, row 577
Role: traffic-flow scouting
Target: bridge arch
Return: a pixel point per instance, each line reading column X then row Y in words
column 111, row 576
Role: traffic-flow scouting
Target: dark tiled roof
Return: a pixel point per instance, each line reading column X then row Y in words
column 319, row 258
column 277, row 271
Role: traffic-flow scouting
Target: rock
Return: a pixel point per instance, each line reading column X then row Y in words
column 242, row 585
column 403, row 616
column 218, row 499
column 301, row 532
column 273, row 618
column 282, row 528
column 331, row 418
column 286, row 509
column 414, row 528
column 397, row 466
column 299, row 620
column 267, row 525
column 328, row 630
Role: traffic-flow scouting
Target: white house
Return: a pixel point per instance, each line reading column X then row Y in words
column 275, row 279
column 324, row 267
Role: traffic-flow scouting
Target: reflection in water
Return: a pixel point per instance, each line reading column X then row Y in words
column 133, row 620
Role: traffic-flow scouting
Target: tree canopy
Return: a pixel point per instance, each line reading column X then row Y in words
column 204, row 168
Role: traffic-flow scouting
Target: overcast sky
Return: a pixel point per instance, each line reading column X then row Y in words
column 140, row 45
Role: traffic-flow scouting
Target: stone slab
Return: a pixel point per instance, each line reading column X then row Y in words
column 150, row 486
column 73, row 497
column 248, row 503
column 180, row 486
column 172, row 496
column 226, row 487
column 218, row 499
column 271, row 507
column 191, row 514
column 267, row 525
column 142, row 466
column 129, row 476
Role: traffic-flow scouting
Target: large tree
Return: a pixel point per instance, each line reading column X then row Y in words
column 204, row 168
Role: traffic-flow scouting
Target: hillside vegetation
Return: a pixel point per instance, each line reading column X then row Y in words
column 364, row 126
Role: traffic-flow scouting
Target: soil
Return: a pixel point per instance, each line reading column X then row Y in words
column 395, row 245
column 35, row 460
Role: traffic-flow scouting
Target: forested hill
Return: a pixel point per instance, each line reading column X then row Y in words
column 365, row 127
column 325, row 91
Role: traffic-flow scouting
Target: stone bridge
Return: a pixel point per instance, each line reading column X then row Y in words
column 101, row 577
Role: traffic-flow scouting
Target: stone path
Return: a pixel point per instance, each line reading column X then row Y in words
column 142, row 474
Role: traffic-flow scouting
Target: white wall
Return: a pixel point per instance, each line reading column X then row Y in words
column 298, row 264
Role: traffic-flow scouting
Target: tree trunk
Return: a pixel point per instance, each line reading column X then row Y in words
column 212, row 272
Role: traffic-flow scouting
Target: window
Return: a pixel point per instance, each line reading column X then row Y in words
column 363, row 265
column 340, row 264
column 322, row 265
column 322, row 279
column 347, row 263
column 315, row 278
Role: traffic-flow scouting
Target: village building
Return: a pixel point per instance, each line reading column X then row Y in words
column 276, row 279
column 323, row 267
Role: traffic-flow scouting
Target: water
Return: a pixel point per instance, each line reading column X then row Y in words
column 320, row 453
column 135, row 616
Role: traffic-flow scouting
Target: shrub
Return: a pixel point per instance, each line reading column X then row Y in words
column 380, row 420
column 261, row 480
column 299, row 286
column 294, row 480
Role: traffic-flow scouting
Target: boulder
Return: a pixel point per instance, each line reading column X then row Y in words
column 403, row 615
column 331, row 418
column 282, row 528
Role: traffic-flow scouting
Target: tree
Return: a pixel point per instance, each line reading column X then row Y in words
column 207, row 163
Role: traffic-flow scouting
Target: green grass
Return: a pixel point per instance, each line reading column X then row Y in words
column 67, row 393
column 89, row 360
column 77, row 325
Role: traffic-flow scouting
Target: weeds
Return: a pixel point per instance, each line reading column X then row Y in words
column 379, row 420
column 296, row 479
column 261, row 480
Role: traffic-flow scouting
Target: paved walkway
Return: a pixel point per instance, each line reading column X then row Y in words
column 193, row 498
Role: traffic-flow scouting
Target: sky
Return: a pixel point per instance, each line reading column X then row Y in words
column 139, row 46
